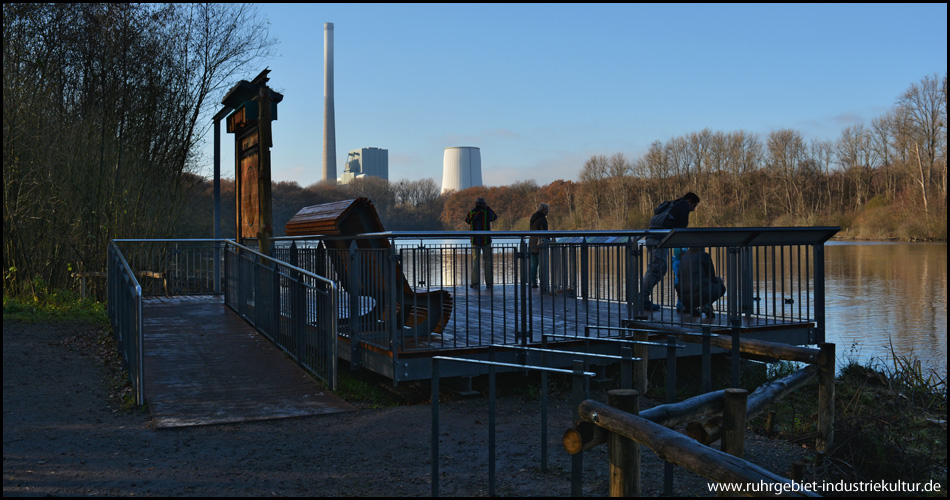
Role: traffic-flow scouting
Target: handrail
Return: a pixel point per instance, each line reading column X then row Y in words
column 126, row 266
column 134, row 360
column 226, row 242
column 258, row 298
column 282, row 263
column 818, row 234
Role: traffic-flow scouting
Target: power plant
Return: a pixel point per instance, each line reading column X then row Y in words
column 461, row 168
column 329, row 122
column 365, row 162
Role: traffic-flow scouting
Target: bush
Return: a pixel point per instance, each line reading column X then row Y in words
column 42, row 303
column 887, row 423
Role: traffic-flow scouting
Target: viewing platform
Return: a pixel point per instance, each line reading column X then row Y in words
column 413, row 301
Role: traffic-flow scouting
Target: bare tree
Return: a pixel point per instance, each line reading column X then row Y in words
column 102, row 111
column 618, row 170
column 924, row 105
column 785, row 154
column 881, row 133
column 855, row 154
column 592, row 178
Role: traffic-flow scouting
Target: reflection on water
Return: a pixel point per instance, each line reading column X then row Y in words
column 888, row 295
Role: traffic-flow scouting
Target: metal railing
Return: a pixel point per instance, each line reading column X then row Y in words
column 580, row 390
column 412, row 294
column 292, row 307
column 125, row 314
column 586, row 278
column 172, row 267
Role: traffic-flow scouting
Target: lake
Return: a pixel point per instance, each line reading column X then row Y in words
column 881, row 296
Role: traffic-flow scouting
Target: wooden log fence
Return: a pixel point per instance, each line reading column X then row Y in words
column 724, row 412
column 681, row 450
column 709, row 431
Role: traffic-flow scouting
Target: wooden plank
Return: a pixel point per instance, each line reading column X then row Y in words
column 488, row 316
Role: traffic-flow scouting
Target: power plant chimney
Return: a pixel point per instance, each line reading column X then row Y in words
column 329, row 125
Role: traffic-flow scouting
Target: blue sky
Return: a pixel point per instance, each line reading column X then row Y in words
column 539, row 88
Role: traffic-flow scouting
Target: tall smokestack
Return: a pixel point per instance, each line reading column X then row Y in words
column 329, row 125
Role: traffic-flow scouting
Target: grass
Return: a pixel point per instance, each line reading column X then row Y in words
column 52, row 305
column 366, row 389
column 890, row 424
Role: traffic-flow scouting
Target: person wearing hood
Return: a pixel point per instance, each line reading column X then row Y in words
column 539, row 222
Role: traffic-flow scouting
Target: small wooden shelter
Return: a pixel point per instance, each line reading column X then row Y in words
column 422, row 311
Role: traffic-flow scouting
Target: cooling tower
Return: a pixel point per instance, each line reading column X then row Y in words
column 461, row 168
column 329, row 122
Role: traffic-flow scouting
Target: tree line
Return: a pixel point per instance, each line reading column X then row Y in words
column 887, row 180
column 106, row 107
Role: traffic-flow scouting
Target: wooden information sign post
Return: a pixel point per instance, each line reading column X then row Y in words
column 255, row 107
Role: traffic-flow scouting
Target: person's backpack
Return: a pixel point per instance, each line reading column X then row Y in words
column 663, row 219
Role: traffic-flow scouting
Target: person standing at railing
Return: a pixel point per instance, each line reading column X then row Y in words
column 480, row 219
column 669, row 215
column 699, row 285
column 539, row 222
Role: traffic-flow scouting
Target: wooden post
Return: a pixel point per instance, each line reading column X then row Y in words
column 624, row 453
column 709, row 431
column 826, row 397
column 585, row 436
column 733, row 420
column 264, row 175
column 798, row 470
column 626, row 368
column 640, row 370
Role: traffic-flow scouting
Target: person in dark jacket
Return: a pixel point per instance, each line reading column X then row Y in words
column 699, row 285
column 480, row 219
column 656, row 269
column 539, row 222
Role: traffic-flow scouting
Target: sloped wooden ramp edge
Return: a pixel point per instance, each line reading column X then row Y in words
column 205, row 365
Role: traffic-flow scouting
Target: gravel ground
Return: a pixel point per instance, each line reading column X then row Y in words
column 65, row 434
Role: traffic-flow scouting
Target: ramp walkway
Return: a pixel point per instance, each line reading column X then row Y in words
column 205, row 365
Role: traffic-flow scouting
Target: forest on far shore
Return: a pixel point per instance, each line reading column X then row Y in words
column 98, row 146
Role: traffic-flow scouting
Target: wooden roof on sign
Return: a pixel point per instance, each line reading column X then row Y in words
column 348, row 217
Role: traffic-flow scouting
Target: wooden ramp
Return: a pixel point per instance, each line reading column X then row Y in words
column 206, row 365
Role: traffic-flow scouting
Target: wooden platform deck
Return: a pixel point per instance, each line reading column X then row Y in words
column 206, row 365
column 482, row 317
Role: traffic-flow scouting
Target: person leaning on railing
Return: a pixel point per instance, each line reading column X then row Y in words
column 669, row 215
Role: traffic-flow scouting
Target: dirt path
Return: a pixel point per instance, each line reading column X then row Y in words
column 63, row 436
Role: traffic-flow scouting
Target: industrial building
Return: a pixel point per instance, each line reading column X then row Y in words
column 461, row 168
column 365, row 162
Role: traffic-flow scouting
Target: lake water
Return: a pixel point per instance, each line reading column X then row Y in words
column 881, row 296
